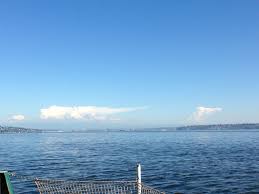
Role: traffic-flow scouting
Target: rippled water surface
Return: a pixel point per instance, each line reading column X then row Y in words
column 187, row 162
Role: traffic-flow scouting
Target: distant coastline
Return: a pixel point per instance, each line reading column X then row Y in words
column 242, row 126
column 10, row 129
column 215, row 127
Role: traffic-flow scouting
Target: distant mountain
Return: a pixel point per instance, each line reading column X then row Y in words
column 7, row 129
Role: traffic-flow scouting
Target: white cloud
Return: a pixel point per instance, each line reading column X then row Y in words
column 202, row 113
column 17, row 117
column 83, row 112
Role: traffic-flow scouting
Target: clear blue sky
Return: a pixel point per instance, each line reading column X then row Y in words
column 154, row 61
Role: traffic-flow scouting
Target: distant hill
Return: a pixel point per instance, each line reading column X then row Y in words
column 7, row 129
column 221, row 127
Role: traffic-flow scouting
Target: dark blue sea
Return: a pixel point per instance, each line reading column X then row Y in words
column 186, row 162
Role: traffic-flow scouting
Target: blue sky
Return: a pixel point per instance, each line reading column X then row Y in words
column 101, row 64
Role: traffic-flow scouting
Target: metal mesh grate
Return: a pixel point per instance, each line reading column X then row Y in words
column 46, row 186
column 93, row 187
column 149, row 190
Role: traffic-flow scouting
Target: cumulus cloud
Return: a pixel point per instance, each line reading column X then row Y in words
column 17, row 117
column 83, row 112
column 202, row 113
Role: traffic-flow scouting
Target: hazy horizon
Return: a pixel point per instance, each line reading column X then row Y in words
column 66, row 128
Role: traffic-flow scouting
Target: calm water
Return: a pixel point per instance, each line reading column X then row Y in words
column 188, row 162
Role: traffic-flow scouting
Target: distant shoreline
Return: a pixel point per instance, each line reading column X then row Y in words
column 219, row 127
